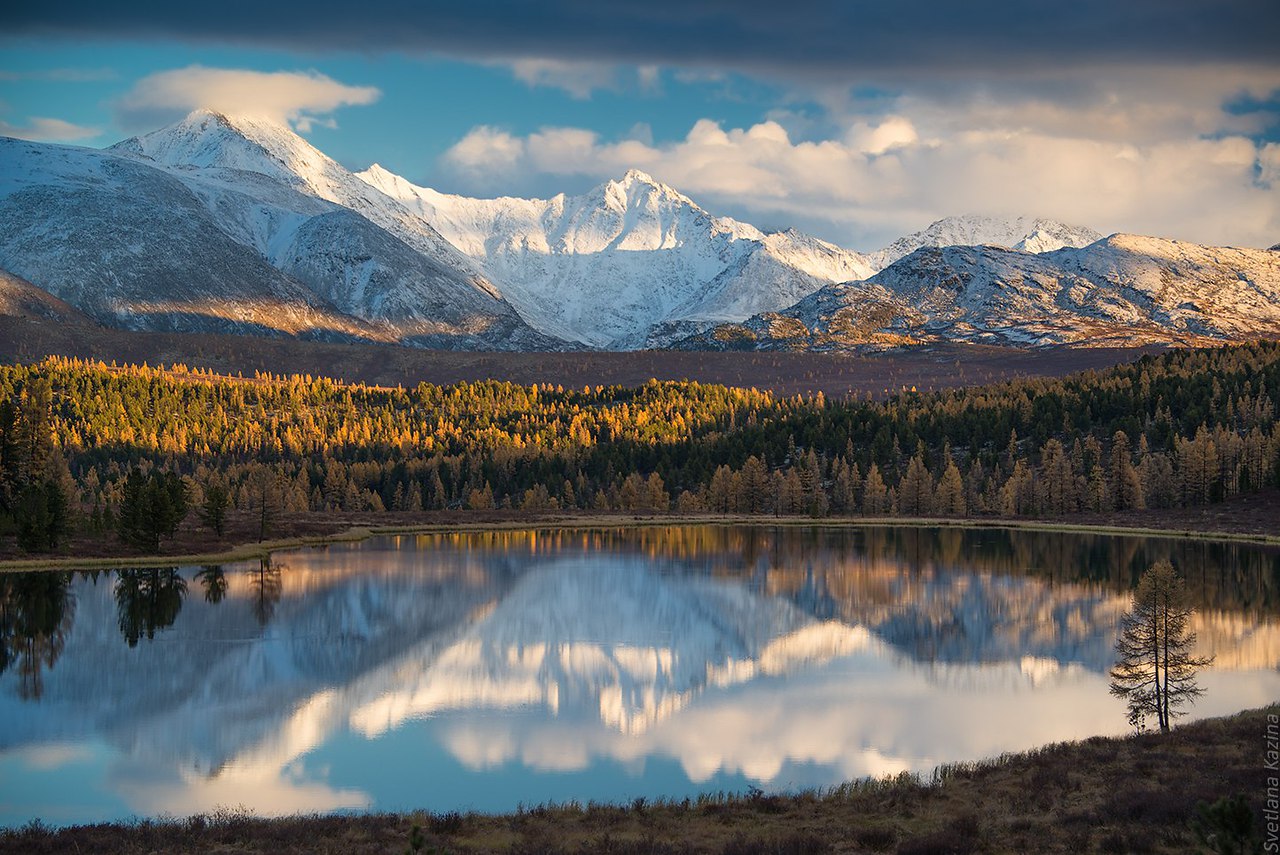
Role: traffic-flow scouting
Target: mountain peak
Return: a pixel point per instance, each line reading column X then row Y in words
column 636, row 176
column 394, row 186
column 638, row 187
column 259, row 129
column 638, row 179
column 202, row 113
column 234, row 121
column 211, row 139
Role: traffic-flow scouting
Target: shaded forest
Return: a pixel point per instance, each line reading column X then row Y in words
column 132, row 449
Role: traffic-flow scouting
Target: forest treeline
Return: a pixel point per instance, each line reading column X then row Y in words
column 130, row 448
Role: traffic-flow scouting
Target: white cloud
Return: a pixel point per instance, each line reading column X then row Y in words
column 485, row 150
column 1269, row 166
column 42, row 129
column 1126, row 158
column 1140, row 106
column 53, row 756
column 893, row 132
column 301, row 98
column 649, row 77
column 579, row 79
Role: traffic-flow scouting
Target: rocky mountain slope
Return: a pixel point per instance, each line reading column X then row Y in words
column 1123, row 290
column 132, row 246
column 20, row 299
column 231, row 225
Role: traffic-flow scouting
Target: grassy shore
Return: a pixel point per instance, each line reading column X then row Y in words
column 1252, row 519
column 1132, row 794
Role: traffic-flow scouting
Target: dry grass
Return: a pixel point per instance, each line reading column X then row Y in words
column 1134, row 794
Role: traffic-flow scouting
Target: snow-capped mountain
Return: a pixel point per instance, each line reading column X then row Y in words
column 1123, row 290
column 237, row 224
column 353, row 246
column 628, row 259
column 132, row 246
column 1024, row 233
column 227, row 150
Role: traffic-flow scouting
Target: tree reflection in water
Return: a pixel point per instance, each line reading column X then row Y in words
column 214, row 581
column 604, row 662
column 267, row 588
column 148, row 600
column 36, row 613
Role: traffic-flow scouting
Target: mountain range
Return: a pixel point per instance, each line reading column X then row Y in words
column 235, row 224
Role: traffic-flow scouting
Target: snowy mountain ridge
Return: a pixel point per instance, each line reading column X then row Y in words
column 311, row 218
column 210, row 142
column 607, row 267
column 237, row 224
column 634, row 262
column 1034, row 235
column 112, row 237
column 1124, row 290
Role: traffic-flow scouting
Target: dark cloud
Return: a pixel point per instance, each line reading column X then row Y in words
column 810, row 37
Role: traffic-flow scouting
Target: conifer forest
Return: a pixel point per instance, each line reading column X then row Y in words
column 133, row 449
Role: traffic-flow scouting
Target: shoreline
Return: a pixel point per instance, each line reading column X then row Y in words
column 1113, row 794
column 1125, row 793
column 257, row 550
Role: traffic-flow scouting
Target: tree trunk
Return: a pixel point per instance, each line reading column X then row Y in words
column 1164, row 698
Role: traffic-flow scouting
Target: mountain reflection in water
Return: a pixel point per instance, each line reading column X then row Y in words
column 482, row 670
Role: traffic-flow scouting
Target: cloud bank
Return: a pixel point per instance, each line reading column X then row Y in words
column 1152, row 116
column 1151, row 153
column 300, row 98
column 826, row 37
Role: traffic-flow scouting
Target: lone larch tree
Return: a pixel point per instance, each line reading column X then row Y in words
column 1155, row 671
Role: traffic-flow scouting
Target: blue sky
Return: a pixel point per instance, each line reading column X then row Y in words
column 426, row 103
column 855, row 121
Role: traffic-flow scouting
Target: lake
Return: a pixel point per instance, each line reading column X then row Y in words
column 482, row 671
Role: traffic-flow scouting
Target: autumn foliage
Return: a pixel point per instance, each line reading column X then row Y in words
column 1183, row 428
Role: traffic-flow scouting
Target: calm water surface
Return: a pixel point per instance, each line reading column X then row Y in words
column 482, row 671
